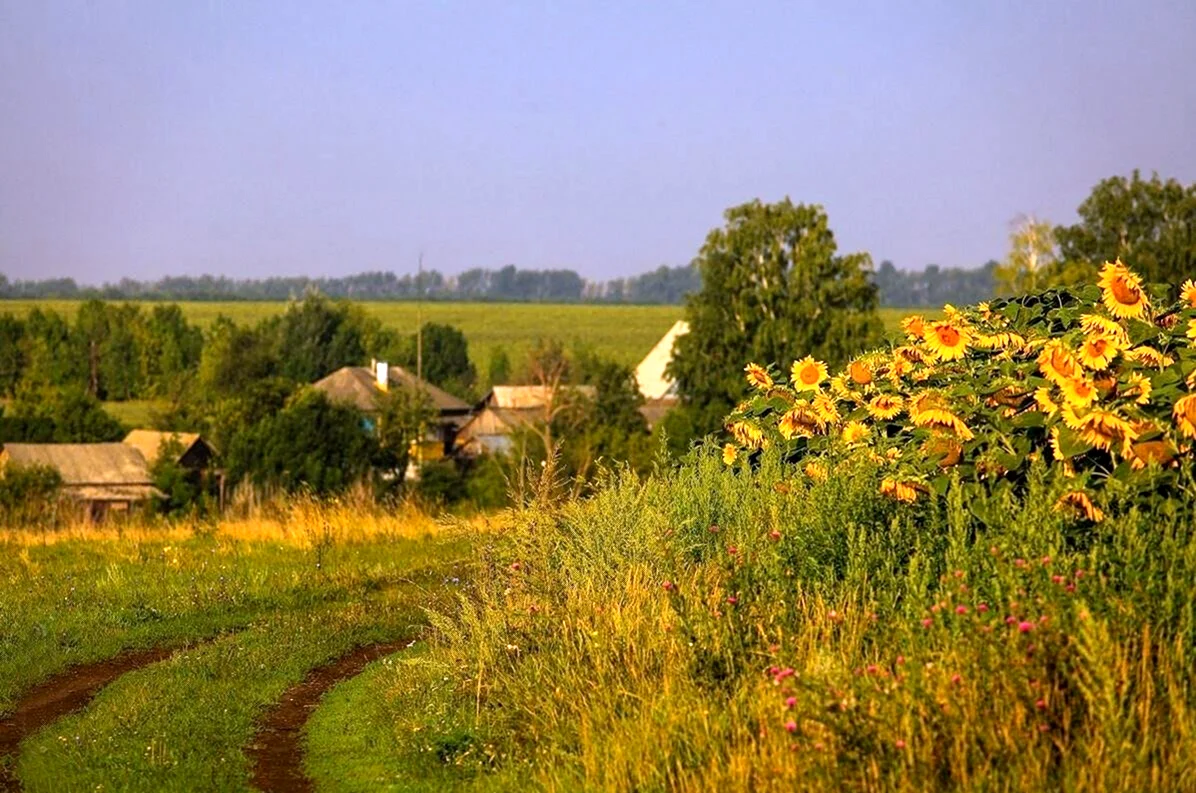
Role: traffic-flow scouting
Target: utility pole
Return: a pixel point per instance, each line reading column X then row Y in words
column 419, row 354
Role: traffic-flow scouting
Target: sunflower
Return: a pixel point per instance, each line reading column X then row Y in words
column 1149, row 356
column 1191, row 332
column 914, row 326
column 1078, row 503
column 826, row 409
column 1078, row 393
column 1185, row 415
column 807, row 374
column 1098, row 351
column 945, row 449
column 860, row 372
column 1057, row 364
column 905, row 492
column 1102, row 429
column 748, row 434
column 1121, row 291
column 758, row 376
column 1095, row 323
column 729, row 453
column 1002, row 340
column 1042, row 396
column 1056, row 436
column 938, row 418
column 1139, row 387
column 854, row 432
column 885, row 406
column 1187, row 293
column 801, row 421
column 817, row 471
column 947, row 340
column 1143, row 453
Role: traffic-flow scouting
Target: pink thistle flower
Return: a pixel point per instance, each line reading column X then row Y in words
column 668, row 586
column 1043, row 728
column 961, row 609
column 900, row 744
column 1019, row 562
column 956, row 679
column 959, row 573
column 900, row 660
column 1070, row 588
column 713, row 528
column 1040, row 704
column 516, row 566
column 1010, row 620
column 732, row 599
column 1025, row 626
column 926, row 623
column 790, row 702
column 871, row 669
column 1079, row 574
column 934, row 609
column 982, row 608
column 731, row 549
column 791, row 726
column 1057, row 579
column 994, row 550
column 774, row 535
column 774, row 670
column 1046, row 560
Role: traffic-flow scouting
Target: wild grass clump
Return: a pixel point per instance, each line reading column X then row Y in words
column 710, row 628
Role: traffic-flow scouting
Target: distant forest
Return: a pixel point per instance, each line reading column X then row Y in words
column 931, row 286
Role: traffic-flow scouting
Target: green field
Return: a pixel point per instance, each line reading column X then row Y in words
column 624, row 333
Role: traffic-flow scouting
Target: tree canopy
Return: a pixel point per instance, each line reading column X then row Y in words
column 774, row 288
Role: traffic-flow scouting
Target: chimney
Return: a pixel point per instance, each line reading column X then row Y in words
column 382, row 374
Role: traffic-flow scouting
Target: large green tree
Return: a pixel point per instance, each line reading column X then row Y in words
column 1149, row 223
column 774, row 288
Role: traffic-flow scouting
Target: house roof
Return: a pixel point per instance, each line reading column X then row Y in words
column 650, row 374
column 149, row 442
column 529, row 397
column 109, row 471
column 355, row 385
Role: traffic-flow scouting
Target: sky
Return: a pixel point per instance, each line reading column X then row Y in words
column 251, row 138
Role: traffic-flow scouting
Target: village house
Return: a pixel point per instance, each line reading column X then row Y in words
column 508, row 408
column 193, row 452
column 102, row 478
column 658, row 389
column 362, row 388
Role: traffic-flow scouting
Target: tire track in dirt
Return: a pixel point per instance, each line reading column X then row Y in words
column 277, row 747
column 66, row 692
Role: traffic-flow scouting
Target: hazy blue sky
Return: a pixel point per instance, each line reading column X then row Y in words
column 253, row 138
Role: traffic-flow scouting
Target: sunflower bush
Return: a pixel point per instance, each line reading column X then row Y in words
column 1096, row 383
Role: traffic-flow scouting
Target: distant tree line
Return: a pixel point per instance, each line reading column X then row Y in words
column 507, row 284
column 662, row 286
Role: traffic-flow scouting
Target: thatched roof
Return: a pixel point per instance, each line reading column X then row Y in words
column 149, row 443
column 89, row 471
column 355, row 385
column 530, row 397
column 650, row 374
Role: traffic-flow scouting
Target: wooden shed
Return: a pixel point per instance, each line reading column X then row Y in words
column 195, row 453
column 508, row 408
column 101, row 477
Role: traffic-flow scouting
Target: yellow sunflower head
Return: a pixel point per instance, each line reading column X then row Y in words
column 885, row 406
column 860, row 372
column 826, row 409
column 1042, row 397
column 801, row 421
column 854, row 432
column 1139, row 387
column 1149, row 356
column 758, row 376
column 1098, row 351
column 1095, row 323
column 905, row 492
column 1187, row 293
column 1103, row 429
column 807, row 374
column 1184, row 413
column 747, row 433
column 1078, row 393
column 730, row 453
column 1121, row 291
column 1057, row 364
column 1078, row 503
column 816, row 471
column 914, row 326
column 948, row 340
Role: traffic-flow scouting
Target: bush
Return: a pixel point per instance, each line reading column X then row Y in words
column 28, row 494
